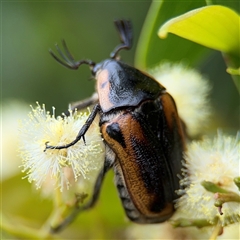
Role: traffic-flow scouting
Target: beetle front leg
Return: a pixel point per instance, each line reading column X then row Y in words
column 81, row 133
column 79, row 105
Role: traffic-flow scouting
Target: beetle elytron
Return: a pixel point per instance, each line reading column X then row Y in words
column 142, row 133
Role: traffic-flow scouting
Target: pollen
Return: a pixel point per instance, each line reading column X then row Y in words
column 216, row 161
column 53, row 166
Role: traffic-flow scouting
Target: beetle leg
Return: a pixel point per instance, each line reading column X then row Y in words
column 124, row 29
column 84, row 103
column 82, row 131
column 109, row 161
column 69, row 61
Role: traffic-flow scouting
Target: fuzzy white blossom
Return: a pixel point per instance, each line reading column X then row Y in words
column 11, row 112
column 190, row 91
column 216, row 161
column 58, row 168
column 165, row 231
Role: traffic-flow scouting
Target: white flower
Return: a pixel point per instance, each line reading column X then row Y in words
column 59, row 168
column 216, row 161
column 164, row 231
column 11, row 112
column 189, row 90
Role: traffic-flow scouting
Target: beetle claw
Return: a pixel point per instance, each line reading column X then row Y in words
column 53, row 147
column 83, row 138
column 46, row 146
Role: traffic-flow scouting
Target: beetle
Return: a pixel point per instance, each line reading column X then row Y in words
column 142, row 133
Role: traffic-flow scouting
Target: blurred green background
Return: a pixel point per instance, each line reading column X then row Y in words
column 30, row 74
column 29, row 29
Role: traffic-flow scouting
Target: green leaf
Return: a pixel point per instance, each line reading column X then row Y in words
column 150, row 50
column 213, row 26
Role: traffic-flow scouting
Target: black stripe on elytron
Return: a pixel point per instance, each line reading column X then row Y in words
column 114, row 131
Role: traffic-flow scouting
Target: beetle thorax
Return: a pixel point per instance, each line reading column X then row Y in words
column 120, row 85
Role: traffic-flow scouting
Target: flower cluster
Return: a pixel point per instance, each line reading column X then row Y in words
column 58, row 168
column 217, row 162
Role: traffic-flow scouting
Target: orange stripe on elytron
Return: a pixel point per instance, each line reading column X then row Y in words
column 171, row 114
column 142, row 199
column 103, row 88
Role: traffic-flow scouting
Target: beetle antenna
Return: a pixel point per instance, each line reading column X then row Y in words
column 124, row 29
column 68, row 60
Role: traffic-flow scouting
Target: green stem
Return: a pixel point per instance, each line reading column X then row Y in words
column 212, row 187
column 60, row 224
column 63, row 213
column 146, row 33
column 236, row 80
column 233, row 62
column 23, row 232
column 68, row 213
column 217, row 231
column 186, row 222
column 208, row 2
column 237, row 182
column 222, row 198
column 57, row 201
